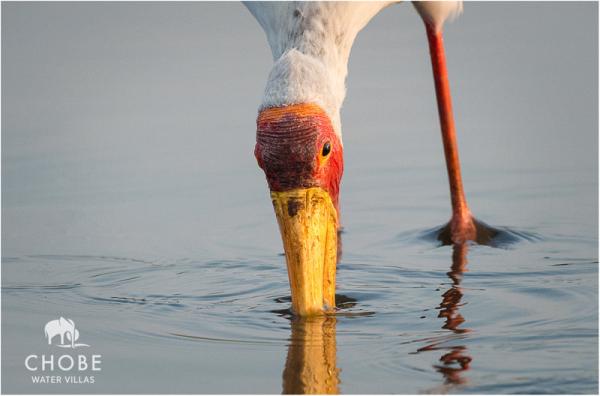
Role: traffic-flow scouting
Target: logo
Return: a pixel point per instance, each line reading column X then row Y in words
column 65, row 329
column 63, row 368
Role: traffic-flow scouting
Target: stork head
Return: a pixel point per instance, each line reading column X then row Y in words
column 301, row 155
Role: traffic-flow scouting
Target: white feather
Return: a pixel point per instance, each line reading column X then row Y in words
column 311, row 43
column 437, row 12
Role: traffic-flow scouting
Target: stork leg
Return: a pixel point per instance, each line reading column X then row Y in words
column 462, row 227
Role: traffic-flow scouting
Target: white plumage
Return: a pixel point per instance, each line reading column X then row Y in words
column 438, row 12
column 311, row 43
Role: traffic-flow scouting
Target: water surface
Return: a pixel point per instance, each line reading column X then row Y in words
column 132, row 204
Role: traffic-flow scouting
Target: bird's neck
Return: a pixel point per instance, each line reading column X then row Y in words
column 311, row 43
column 300, row 78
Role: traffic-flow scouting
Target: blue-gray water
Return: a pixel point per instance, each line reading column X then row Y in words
column 132, row 204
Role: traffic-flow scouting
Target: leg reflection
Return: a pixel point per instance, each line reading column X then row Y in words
column 457, row 360
column 310, row 366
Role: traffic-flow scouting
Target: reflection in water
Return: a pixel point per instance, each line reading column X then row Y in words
column 457, row 359
column 310, row 366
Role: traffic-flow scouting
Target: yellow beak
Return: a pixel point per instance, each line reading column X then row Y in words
column 308, row 224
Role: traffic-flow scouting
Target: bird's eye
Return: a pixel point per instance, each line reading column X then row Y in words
column 326, row 149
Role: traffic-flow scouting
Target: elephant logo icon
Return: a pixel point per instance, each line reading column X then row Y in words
column 65, row 329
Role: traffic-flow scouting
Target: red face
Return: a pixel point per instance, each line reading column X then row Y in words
column 297, row 147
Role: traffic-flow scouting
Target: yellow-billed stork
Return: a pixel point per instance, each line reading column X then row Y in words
column 299, row 140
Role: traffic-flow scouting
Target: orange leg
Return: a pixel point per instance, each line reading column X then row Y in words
column 461, row 226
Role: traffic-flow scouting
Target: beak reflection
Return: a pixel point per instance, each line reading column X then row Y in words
column 310, row 366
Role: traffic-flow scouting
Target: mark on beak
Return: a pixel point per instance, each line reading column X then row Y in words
column 293, row 206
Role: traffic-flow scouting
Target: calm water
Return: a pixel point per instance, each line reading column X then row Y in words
column 131, row 203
